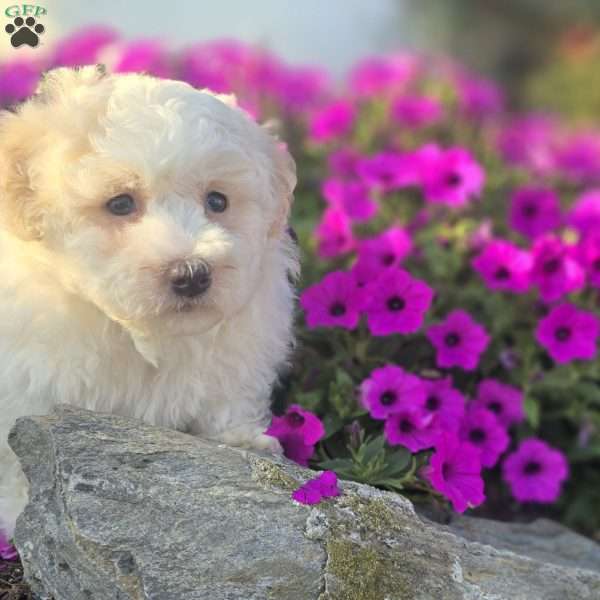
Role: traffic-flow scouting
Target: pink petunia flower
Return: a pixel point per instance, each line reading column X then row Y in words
column 504, row 266
column 327, row 484
column 455, row 471
column 445, row 403
column 353, row 197
column 255, row 74
column 219, row 65
column 7, row 550
column 529, row 142
column 584, row 215
column 83, row 47
column 579, row 157
column 300, row 89
column 588, row 255
column 227, row 65
column 380, row 75
column 365, row 272
column 302, row 421
column 481, row 428
column 535, row 472
column 18, row 80
column 410, row 427
column 416, row 111
column 568, row 333
column 380, row 253
column 389, row 170
column 505, row 401
column 555, row 270
column 148, row 56
column 333, row 121
column 451, row 176
column 333, row 302
column 385, row 250
column 297, row 431
column 459, row 341
column 344, row 163
column 334, row 233
column 390, row 388
column 396, row 302
column 534, row 211
column 479, row 98
column 307, row 495
column 314, row 490
column 294, row 446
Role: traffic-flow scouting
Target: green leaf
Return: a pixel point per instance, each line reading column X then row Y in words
column 337, row 464
column 359, row 412
column 341, row 394
column 557, row 378
column 584, row 454
column 343, row 380
column 532, row 411
column 332, row 424
column 396, row 484
column 338, row 401
column 373, row 448
column 397, row 461
column 589, row 391
column 308, row 400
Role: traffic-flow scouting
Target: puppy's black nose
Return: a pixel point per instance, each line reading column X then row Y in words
column 190, row 278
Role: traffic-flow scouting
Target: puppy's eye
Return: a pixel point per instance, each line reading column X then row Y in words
column 216, row 202
column 121, row 205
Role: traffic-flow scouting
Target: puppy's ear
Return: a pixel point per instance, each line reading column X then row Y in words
column 284, row 182
column 25, row 139
column 20, row 211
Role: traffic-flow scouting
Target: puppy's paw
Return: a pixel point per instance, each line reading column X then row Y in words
column 268, row 443
column 251, row 437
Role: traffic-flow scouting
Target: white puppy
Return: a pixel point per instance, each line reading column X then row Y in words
column 144, row 261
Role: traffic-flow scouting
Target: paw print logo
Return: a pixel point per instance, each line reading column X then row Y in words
column 24, row 32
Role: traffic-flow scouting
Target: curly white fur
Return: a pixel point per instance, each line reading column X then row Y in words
column 88, row 314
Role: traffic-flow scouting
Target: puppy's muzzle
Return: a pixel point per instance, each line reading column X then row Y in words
column 190, row 278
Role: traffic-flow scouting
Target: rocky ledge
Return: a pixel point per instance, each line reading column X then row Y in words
column 122, row 510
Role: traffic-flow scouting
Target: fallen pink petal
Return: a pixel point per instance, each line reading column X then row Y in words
column 314, row 490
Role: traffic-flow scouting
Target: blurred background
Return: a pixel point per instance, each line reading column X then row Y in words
column 545, row 51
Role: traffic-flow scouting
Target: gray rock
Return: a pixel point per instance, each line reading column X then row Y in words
column 122, row 510
column 543, row 540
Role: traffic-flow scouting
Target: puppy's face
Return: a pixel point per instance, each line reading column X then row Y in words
column 153, row 200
